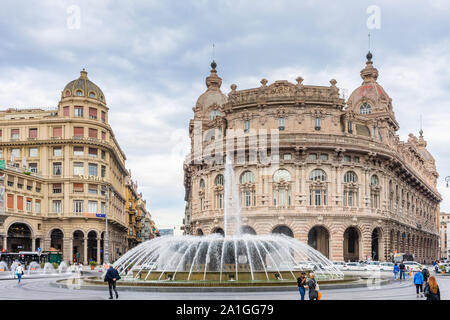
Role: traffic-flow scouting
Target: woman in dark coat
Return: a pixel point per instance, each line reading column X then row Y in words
column 312, row 287
column 431, row 290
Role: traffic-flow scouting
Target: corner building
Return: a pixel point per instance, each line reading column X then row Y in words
column 60, row 163
column 344, row 182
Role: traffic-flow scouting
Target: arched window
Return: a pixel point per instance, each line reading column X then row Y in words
column 318, row 174
column 219, row 180
column 213, row 114
column 247, row 176
column 350, row 176
column 365, row 108
column 374, row 180
column 79, row 93
column 91, row 95
column 282, row 174
column 202, row 184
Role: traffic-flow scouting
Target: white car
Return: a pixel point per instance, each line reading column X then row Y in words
column 415, row 266
column 387, row 266
column 339, row 265
column 304, row 266
column 352, row 266
column 372, row 266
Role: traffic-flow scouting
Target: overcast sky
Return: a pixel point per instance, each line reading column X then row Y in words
column 151, row 58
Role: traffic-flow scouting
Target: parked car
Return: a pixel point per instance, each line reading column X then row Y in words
column 339, row 264
column 372, row 266
column 387, row 266
column 415, row 266
column 352, row 266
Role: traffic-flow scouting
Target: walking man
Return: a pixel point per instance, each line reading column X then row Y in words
column 301, row 282
column 402, row 271
column 111, row 277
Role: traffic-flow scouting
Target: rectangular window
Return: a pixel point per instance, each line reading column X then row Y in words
column 29, row 204
column 312, row 156
column 103, row 208
column 350, row 127
column 33, row 152
column 92, row 206
column 19, row 203
column 280, row 123
column 57, row 168
column 19, row 183
column 78, row 187
column 103, row 172
column 38, row 187
column 15, row 153
column 78, row 168
column 57, row 188
column 33, row 167
column 32, row 133
column 57, row 132
column 287, row 156
column 93, row 133
column 10, row 201
column 103, row 155
column 275, row 157
column 15, row 133
column 29, row 185
column 282, row 197
column 77, row 206
column 57, row 151
column 37, row 206
column 103, row 116
column 66, row 111
column 246, row 125
column 374, row 132
column 57, row 206
column 347, row 158
column 92, row 189
column 78, row 151
column 93, row 152
column 79, row 112
column 103, row 135
column 93, row 169
column 324, row 197
column 324, row 157
column 78, row 131
column 350, row 198
column 93, row 113
column 317, row 198
column 356, row 159
column 317, row 124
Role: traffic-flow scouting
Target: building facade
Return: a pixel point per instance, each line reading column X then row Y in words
column 444, row 220
column 64, row 171
column 339, row 178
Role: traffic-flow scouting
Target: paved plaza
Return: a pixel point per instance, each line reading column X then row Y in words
column 43, row 288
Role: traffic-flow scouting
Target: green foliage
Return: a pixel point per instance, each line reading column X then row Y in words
column 93, row 263
column 55, row 265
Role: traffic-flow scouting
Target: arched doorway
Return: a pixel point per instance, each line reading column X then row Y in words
column 351, row 244
column 319, row 239
column 92, row 246
column 283, row 230
column 376, row 244
column 78, row 246
column 218, row 231
column 199, row 232
column 248, row 230
column 19, row 238
column 56, row 239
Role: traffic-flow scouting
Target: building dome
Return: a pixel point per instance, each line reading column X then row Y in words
column 213, row 96
column 83, row 87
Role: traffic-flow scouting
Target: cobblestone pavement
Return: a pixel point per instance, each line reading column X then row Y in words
column 42, row 289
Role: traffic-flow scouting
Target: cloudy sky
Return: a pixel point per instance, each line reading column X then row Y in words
column 151, row 58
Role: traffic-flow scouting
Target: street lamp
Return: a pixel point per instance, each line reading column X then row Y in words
column 447, row 179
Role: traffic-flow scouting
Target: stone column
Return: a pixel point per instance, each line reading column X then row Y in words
column 336, row 246
column 98, row 250
column 33, row 244
column 85, row 241
column 5, row 242
column 47, row 243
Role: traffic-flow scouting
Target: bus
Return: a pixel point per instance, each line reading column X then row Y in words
column 24, row 257
column 400, row 257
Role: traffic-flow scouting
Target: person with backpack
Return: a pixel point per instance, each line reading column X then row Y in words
column 301, row 282
column 111, row 277
column 19, row 272
column 431, row 290
column 418, row 281
column 313, row 288
column 426, row 275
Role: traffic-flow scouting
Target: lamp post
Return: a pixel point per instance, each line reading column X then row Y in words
column 106, row 240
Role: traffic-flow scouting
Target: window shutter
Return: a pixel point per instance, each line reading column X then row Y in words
column 15, row 131
column 78, row 131
column 103, row 116
column 93, row 152
column 10, row 201
column 66, row 111
column 78, row 187
column 33, row 133
column 57, row 131
column 92, row 113
column 19, row 203
column 93, row 133
column 103, row 135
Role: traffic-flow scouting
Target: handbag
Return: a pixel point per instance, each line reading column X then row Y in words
column 319, row 295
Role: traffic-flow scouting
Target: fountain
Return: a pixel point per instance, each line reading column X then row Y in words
column 48, row 268
column 34, row 268
column 62, row 268
column 222, row 260
column 3, row 266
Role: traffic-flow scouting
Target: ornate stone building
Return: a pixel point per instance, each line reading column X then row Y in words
column 341, row 179
column 59, row 164
column 444, row 220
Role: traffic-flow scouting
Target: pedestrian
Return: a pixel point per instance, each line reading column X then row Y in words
column 301, row 282
column 80, row 268
column 396, row 270
column 436, row 268
column 111, row 277
column 431, row 290
column 402, row 271
column 426, row 275
column 312, row 286
column 19, row 272
column 418, row 281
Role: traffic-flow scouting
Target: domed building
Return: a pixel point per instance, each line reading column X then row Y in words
column 64, row 171
column 339, row 178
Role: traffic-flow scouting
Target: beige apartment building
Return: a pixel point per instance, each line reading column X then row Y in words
column 340, row 180
column 444, row 220
column 64, row 171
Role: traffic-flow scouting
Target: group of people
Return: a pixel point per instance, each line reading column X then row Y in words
column 311, row 284
column 421, row 277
